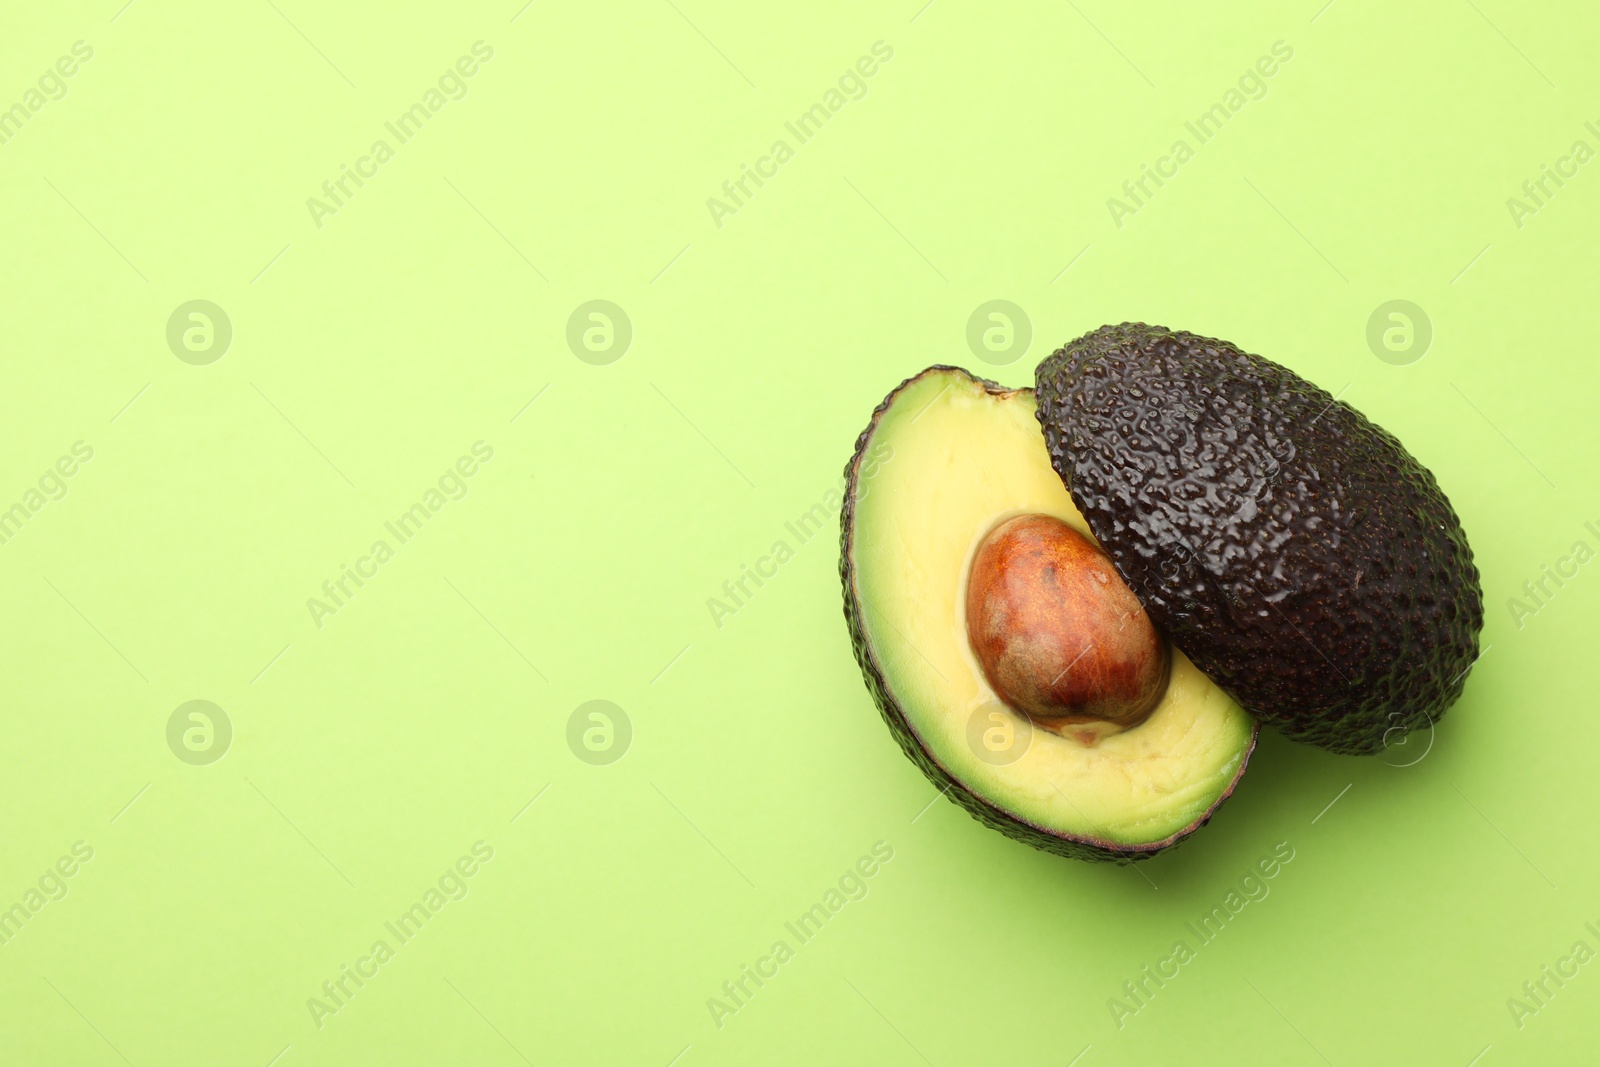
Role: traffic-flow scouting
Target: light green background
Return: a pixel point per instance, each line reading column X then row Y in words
column 368, row 354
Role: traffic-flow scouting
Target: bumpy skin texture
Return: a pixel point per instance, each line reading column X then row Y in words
column 1074, row 847
column 1295, row 551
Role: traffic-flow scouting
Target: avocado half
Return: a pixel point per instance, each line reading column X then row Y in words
column 946, row 458
column 1294, row 550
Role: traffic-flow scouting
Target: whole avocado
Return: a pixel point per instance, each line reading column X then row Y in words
column 1294, row 550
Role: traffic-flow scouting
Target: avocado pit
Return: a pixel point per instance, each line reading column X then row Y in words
column 1059, row 636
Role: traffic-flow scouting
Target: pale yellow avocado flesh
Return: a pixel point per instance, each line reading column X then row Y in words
column 951, row 461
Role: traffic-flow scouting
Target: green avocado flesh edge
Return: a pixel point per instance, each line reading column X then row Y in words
column 947, row 458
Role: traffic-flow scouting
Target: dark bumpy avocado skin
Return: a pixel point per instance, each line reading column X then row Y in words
column 1294, row 550
column 992, row 817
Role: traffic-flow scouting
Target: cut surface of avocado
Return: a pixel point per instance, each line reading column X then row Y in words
column 946, row 459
